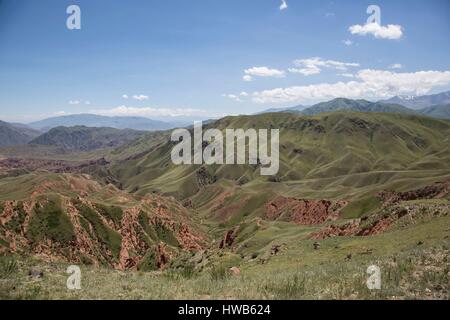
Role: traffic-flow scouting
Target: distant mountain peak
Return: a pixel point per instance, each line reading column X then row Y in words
column 421, row 102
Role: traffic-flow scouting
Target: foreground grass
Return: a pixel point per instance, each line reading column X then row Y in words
column 421, row 273
column 416, row 275
column 413, row 260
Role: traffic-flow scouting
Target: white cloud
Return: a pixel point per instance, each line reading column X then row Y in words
column 347, row 42
column 125, row 96
column 329, row 14
column 247, row 78
column 396, row 66
column 87, row 102
column 232, row 97
column 283, row 5
column 306, row 71
column 391, row 31
column 368, row 84
column 314, row 65
column 262, row 72
column 140, row 97
column 74, row 102
column 243, row 94
column 150, row 112
column 347, row 75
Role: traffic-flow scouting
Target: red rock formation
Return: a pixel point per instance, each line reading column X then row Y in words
column 161, row 256
column 435, row 191
column 348, row 229
column 228, row 239
column 303, row 212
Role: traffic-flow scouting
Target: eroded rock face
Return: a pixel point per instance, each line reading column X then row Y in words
column 57, row 166
column 228, row 239
column 435, row 191
column 382, row 221
column 303, row 212
column 162, row 257
column 80, row 230
column 348, row 229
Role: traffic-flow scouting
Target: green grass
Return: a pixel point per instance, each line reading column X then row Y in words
column 110, row 238
column 110, row 212
column 50, row 222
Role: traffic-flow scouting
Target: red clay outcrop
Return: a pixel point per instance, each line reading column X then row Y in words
column 304, row 212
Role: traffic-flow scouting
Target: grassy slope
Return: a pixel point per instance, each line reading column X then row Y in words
column 339, row 156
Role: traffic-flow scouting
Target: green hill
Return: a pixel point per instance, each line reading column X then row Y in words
column 14, row 135
column 82, row 138
column 440, row 111
column 341, row 155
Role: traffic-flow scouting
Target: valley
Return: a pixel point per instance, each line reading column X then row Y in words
column 354, row 189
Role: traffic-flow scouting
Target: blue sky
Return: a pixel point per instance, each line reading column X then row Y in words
column 188, row 58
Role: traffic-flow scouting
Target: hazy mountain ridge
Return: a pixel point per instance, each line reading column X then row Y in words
column 91, row 120
column 81, row 138
column 340, row 104
column 438, row 111
column 421, row 102
column 15, row 134
column 435, row 106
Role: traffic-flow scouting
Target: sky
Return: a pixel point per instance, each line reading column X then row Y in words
column 180, row 59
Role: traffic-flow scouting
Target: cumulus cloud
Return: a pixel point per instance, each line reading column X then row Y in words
column 315, row 65
column 368, row 84
column 396, row 66
column 391, row 31
column 243, row 94
column 150, row 112
column 232, row 97
column 283, row 5
column 262, row 72
column 125, row 96
column 74, row 102
column 140, row 97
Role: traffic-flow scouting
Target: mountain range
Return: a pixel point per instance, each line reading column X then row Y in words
column 91, row 120
column 81, row 138
column 16, row 134
column 421, row 102
column 435, row 106
column 353, row 188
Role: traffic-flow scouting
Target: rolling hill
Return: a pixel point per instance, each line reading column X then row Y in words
column 340, row 155
column 91, row 120
column 440, row 111
column 14, row 134
column 82, row 138
column 353, row 188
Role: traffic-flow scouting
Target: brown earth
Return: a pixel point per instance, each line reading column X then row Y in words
column 303, row 212
column 435, row 191
column 56, row 166
column 159, row 211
